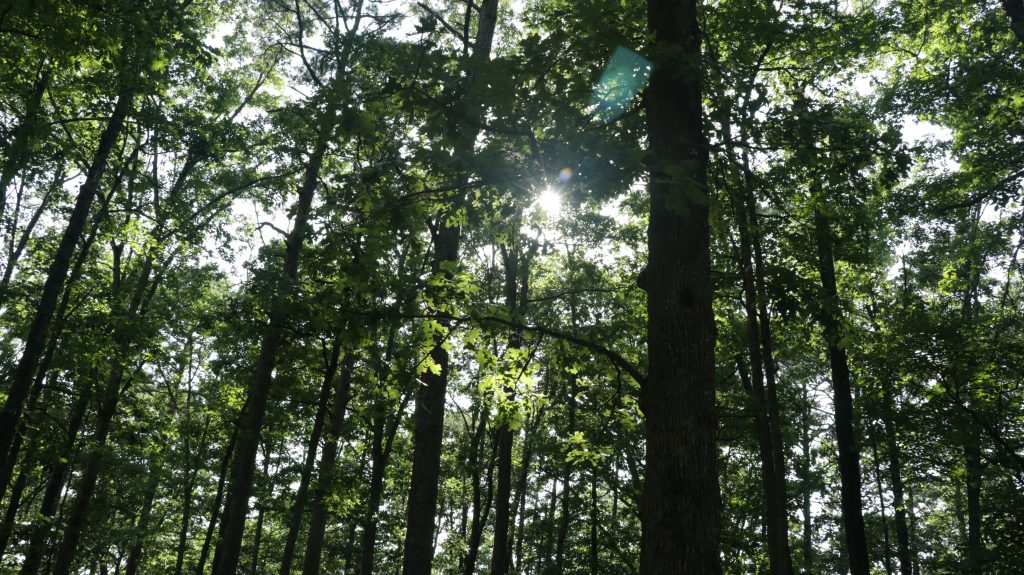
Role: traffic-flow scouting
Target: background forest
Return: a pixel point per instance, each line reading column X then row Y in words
column 511, row 286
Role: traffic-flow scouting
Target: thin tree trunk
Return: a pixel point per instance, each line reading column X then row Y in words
column 41, row 534
column 56, row 275
column 566, row 517
column 776, row 520
column 807, row 483
column 250, row 426
column 887, row 544
column 218, row 501
column 975, row 549
column 903, row 551
column 681, row 504
column 846, row 438
column 17, row 151
column 26, row 233
column 86, row 487
column 302, row 493
column 593, row 523
column 481, row 504
column 257, row 539
column 135, row 554
column 327, row 472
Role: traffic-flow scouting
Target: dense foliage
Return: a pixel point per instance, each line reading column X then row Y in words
column 533, row 287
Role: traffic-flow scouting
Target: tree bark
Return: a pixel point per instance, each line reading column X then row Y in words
column 566, row 517
column 806, row 483
column 302, row 493
column 41, row 534
column 56, row 275
column 428, row 414
column 327, row 471
column 776, row 520
column 903, row 549
column 681, row 504
column 1015, row 11
column 846, row 438
column 135, row 554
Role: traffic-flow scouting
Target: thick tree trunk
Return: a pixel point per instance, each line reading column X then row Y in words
column 327, row 472
column 428, row 414
column 1015, row 12
column 56, row 275
column 302, row 493
column 846, row 438
column 681, row 504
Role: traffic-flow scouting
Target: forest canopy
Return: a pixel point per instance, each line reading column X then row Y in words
column 532, row 287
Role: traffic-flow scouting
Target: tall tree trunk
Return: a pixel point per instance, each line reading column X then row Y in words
column 770, row 369
column 250, row 426
column 886, row 543
column 593, row 523
column 327, row 471
column 428, row 414
column 86, row 487
column 142, row 526
column 302, row 493
column 776, row 520
column 680, row 509
column 481, row 504
column 40, row 541
column 903, row 549
column 806, row 483
column 517, row 273
column 218, row 502
column 56, row 275
column 975, row 549
column 381, row 457
column 566, row 517
column 846, row 438
column 257, row 539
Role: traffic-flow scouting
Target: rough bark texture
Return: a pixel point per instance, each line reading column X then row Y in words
column 680, row 508
column 846, row 438
column 56, row 275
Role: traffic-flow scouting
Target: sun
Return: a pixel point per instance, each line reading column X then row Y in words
column 549, row 202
